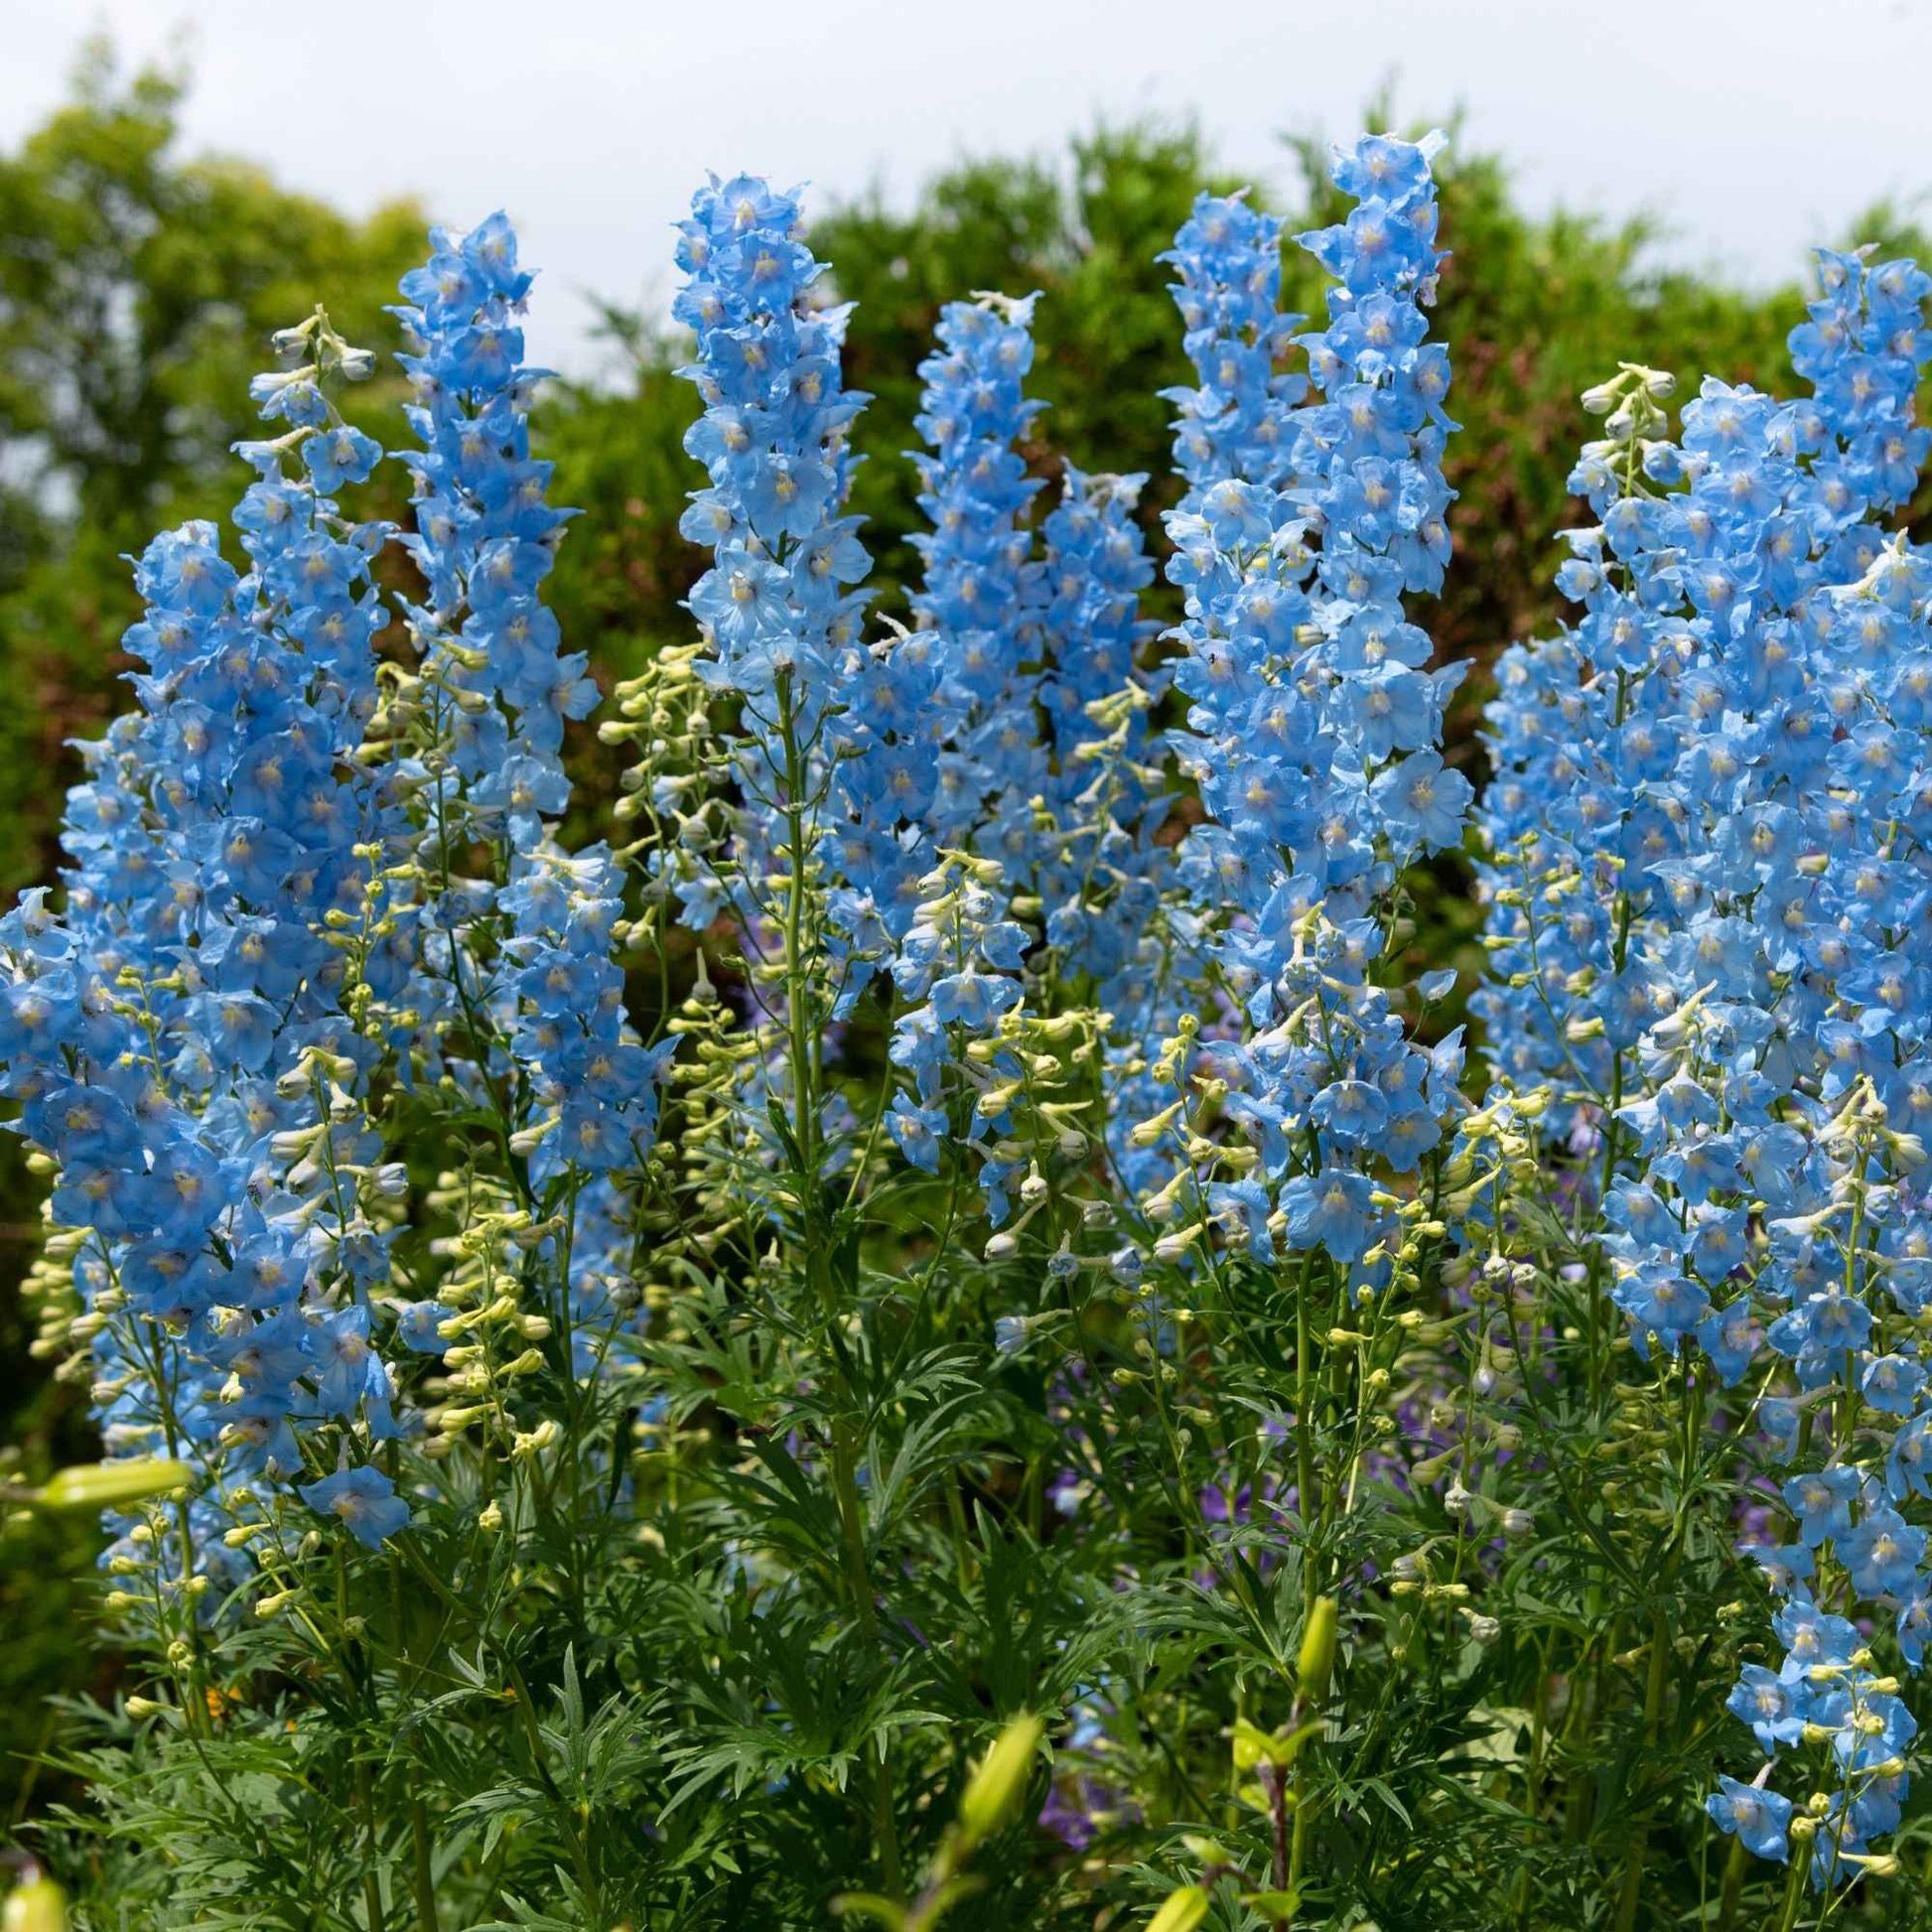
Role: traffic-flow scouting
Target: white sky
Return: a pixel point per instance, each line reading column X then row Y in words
column 1752, row 126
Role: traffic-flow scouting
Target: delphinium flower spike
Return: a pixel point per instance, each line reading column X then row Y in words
column 1106, row 797
column 1736, row 1022
column 180, row 1034
column 982, row 594
column 499, row 691
column 1312, row 732
column 835, row 753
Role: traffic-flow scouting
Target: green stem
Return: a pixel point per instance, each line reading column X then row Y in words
column 1734, row 1883
column 1298, row 1846
column 1304, row 1472
column 372, row 1887
column 1653, row 1711
column 426, row 1919
column 1794, row 1886
column 800, row 1017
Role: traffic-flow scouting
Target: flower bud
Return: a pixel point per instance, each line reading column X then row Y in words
column 112, row 1485
column 1183, row 1911
column 1317, row 1662
column 36, row 1906
column 997, row 1786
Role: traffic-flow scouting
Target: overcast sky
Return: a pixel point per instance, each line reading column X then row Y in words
column 1752, row 126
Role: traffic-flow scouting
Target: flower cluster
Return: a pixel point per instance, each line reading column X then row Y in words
column 1313, row 723
column 1105, row 798
column 184, row 1037
column 486, row 536
column 1231, row 427
column 959, row 964
column 983, row 592
column 1707, row 876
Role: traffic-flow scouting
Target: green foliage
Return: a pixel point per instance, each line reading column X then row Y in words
column 45, row 1602
column 539, row 1709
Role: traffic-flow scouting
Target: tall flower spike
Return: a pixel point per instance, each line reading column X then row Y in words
column 983, row 592
column 1230, row 427
column 486, row 536
column 1737, row 721
column 829, row 729
column 1313, row 728
column 177, row 1038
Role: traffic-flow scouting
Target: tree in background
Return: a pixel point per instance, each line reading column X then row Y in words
column 137, row 288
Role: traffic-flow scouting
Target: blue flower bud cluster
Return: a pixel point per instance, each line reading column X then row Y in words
column 1232, row 425
column 486, row 536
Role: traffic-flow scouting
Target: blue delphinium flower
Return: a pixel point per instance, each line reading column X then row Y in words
column 1759, row 1819
column 1067, row 812
column 1705, row 824
column 968, row 780
column 363, row 1499
column 1313, row 722
column 177, row 1037
column 1229, row 429
column 492, row 656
